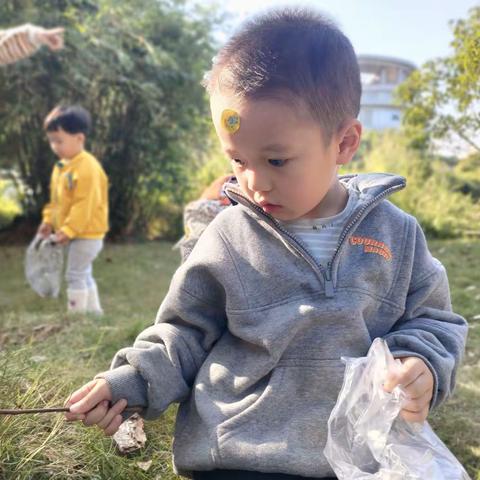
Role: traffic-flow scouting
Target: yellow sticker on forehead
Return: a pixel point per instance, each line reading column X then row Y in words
column 230, row 120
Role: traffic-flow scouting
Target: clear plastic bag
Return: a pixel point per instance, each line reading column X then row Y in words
column 43, row 266
column 367, row 440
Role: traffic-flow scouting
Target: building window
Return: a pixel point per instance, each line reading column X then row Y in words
column 369, row 78
column 392, row 75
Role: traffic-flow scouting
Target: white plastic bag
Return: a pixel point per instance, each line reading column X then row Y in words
column 367, row 440
column 43, row 266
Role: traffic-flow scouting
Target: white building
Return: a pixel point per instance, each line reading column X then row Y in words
column 380, row 76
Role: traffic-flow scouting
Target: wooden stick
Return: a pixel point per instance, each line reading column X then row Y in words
column 21, row 411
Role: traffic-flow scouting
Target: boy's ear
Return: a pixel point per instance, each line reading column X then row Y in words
column 348, row 141
column 81, row 137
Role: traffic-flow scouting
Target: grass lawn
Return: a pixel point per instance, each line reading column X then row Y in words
column 44, row 355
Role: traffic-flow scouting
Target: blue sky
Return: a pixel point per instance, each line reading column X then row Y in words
column 415, row 30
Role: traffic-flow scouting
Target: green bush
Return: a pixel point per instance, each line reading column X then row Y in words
column 432, row 194
column 467, row 175
column 212, row 167
column 9, row 206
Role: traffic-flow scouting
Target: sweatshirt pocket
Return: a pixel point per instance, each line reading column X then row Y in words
column 288, row 421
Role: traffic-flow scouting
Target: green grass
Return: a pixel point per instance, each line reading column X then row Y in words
column 45, row 355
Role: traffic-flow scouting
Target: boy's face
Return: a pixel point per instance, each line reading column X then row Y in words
column 280, row 158
column 66, row 145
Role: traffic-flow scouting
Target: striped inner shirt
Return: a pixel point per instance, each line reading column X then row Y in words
column 321, row 235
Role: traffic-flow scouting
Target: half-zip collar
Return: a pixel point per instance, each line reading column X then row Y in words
column 370, row 188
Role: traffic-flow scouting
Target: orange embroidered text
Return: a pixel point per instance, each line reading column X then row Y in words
column 372, row 246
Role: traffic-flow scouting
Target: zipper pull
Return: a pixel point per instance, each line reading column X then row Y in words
column 328, row 282
column 329, row 288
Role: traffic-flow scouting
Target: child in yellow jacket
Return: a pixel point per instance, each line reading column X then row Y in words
column 78, row 209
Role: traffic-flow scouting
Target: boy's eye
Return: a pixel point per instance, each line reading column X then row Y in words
column 237, row 161
column 276, row 162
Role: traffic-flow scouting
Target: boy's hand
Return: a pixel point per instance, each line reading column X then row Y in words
column 91, row 404
column 52, row 38
column 61, row 238
column 44, row 230
column 417, row 382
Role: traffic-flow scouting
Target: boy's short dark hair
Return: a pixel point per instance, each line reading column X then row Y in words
column 292, row 51
column 72, row 119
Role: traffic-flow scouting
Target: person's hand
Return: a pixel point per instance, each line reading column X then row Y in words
column 61, row 238
column 44, row 230
column 214, row 190
column 91, row 405
column 417, row 382
column 52, row 38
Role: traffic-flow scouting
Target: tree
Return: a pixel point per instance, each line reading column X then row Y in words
column 137, row 67
column 442, row 99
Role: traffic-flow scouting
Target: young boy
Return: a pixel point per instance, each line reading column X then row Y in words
column 78, row 208
column 306, row 268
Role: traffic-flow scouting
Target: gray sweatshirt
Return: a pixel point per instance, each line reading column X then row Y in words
column 249, row 337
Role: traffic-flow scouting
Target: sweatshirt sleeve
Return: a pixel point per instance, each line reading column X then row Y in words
column 160, row 368
column 87, row 196
column 429, row 329
column 47, row 214
column 18, row 43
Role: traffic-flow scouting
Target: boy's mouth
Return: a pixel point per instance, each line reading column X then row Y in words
column 269, row 207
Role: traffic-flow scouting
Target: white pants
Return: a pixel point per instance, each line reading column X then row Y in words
column 81, row 253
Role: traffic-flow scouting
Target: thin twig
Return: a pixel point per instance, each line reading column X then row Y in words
column 21, row 411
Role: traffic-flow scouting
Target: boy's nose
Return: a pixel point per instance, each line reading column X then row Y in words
column 258, row 181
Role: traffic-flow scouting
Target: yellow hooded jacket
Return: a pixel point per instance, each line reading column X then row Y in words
column 78, row 198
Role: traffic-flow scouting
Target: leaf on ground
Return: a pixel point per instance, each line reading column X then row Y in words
column 130, row 436
column 145, row 466
column 42, row 332
column 4, row 338
column 38, row 358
